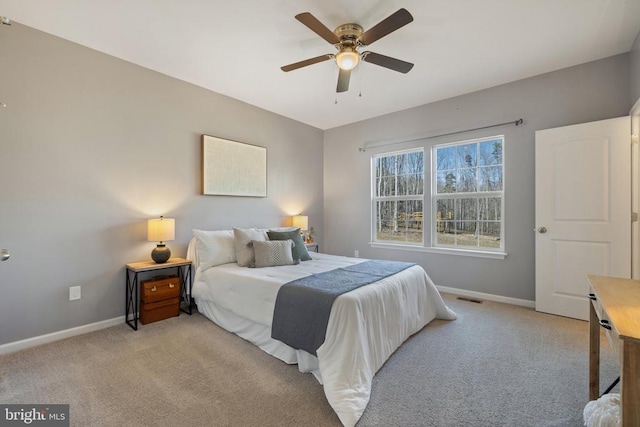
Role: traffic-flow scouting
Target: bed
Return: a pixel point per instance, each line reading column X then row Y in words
column 365, row 325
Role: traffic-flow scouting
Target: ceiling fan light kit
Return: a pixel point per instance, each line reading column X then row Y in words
column 348, row 39
column 347, row 60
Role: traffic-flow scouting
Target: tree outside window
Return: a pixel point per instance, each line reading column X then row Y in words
column 468, row 194
column 398, row 196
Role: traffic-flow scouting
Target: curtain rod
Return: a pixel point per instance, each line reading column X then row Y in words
column 513, row 122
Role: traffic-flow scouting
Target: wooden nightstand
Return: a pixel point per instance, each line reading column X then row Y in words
column 132, row 286
column 313, row 247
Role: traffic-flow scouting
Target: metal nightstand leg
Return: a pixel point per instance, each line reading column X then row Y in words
column 131, row 300
column 185, row 289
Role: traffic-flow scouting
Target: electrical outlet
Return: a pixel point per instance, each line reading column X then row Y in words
column 74, row 293
column 356, row 253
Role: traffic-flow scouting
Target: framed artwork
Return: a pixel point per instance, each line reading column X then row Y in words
column 231, row 168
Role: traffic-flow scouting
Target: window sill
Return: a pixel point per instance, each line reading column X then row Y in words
column 444, row 251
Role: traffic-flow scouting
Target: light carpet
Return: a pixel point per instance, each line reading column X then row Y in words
column 496, row 365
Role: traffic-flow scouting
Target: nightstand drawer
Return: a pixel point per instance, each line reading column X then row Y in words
column 159, row 289
column 152, row 312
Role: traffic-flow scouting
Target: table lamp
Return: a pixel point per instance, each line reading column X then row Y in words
column 301, row 222
column 161, row 230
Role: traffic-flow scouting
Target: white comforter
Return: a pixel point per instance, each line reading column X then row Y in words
column 365, row 326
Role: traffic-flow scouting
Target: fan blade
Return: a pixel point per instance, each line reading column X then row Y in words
column 387, row 62
column 317, row 27
column 306, row 62
column 397, row 20
column 343, row 80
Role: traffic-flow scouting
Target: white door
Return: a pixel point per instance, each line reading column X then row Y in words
column 583, row 211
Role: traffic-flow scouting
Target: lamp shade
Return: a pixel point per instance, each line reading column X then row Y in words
column 301, row 222
column 161, row 229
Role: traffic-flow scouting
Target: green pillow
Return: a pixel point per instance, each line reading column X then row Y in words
column 299, row 250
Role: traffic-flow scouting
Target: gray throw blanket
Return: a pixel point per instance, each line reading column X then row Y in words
column 303, row 306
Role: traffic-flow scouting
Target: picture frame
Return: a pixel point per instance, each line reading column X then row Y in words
column 231, row 168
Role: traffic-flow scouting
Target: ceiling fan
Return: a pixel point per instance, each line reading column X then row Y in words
column 348, row 39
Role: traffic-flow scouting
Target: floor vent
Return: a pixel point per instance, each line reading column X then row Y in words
column 477, row 301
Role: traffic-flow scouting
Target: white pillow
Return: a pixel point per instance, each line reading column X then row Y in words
column 273, row 253
column 244, row 251
column 214, row 248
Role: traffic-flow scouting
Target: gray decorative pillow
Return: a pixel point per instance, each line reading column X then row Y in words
column 299, row 250
column 273, row 253
column 244, row 251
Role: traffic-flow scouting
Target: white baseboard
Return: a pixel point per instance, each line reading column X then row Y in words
column 79, row 330
column 55, row 336
column 487, row 297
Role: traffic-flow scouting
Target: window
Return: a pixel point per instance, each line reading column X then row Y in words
column 468, row 194
column 398, row 197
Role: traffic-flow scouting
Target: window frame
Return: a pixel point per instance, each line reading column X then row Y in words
column 418, row 197
column 430, row 211
column 477, row 195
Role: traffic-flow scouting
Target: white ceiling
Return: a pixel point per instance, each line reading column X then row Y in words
column 236, row 48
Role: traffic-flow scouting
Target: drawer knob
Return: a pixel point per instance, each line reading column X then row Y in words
column 153, row 289
column 605, row 324
column 592, row 297
column 171, row 285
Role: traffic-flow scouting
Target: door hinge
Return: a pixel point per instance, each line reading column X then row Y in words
column 634, row 216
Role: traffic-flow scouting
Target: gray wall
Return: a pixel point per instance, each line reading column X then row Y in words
column 90, row 148
column 634, row 70
column 589, row 92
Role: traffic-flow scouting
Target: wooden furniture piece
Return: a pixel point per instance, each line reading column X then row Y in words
column 615, row 306
column 159, row 298
column 132, row 292
column 312, row 247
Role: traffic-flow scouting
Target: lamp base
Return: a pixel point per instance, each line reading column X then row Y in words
column 161, row 254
